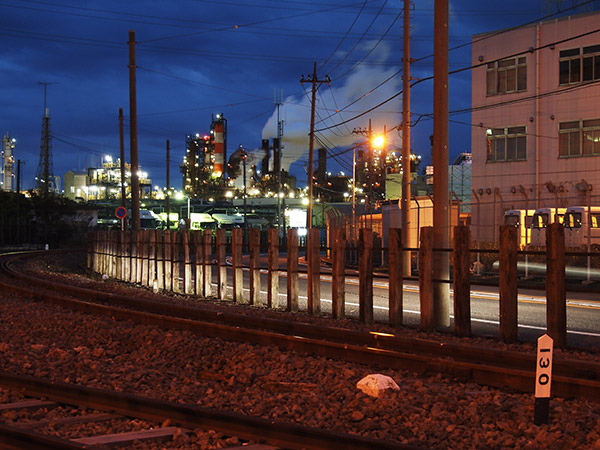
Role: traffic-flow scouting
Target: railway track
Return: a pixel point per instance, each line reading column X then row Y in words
column 494, row 368
column 269, row 434
column 105, row 406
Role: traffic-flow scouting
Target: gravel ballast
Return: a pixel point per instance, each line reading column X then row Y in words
column 433, row 412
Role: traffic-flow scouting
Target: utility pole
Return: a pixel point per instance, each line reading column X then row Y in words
column 370, row 149
column 168, row 194
column 311, row 145
column 370, row 139
column 244, row 156
column 122, row 156
column 133, row 143
column 277, row 164
column 441, row 265
column 406, row 194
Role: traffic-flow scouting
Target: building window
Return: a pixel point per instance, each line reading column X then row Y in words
column 506, row 144
column 507, row 75
column 579, row 65
column 579, row 138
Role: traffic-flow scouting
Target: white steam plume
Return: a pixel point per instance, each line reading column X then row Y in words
column 296, row 113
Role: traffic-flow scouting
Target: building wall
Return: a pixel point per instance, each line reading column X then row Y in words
column 543, row 178
column 75, row 185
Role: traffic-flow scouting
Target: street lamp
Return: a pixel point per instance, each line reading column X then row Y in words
column 244, row 156
column 376, row 143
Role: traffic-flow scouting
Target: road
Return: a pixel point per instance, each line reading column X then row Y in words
column 583, row 309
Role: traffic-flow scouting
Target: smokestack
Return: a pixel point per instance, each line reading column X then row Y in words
column 219, row 148
column 264, row 167
column 276, row 158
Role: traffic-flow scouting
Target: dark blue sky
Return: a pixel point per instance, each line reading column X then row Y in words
column 197, row 58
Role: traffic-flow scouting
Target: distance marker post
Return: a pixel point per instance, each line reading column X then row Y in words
column 543, row 379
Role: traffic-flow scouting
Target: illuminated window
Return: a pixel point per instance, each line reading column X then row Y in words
column 579, row 138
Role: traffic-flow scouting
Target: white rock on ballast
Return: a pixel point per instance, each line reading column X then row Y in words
column 376, row 384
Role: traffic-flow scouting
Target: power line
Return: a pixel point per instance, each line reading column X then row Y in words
column 558, row 91
column 249, row 24
column 345, row 35
column 361, row 38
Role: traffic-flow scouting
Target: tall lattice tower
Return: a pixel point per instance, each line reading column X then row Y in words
column 44, row 181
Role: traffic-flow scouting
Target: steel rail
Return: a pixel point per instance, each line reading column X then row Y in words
column 496, row 368
column 459, row 352
column 14, row 438
column 281, row 434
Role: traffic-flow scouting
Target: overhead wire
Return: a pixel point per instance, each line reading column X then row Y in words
column 345, row 35
column 249, row 24
column 372, row 48
column 467, row 68
column 359, row 39
column 460, row 46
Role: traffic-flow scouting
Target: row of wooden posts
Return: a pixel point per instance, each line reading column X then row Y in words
column 182, row 261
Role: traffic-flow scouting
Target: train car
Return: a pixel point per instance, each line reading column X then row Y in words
column 521, row 219
column 582, row 226
column 541, row 219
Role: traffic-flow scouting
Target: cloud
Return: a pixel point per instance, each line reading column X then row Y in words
column 295, row 112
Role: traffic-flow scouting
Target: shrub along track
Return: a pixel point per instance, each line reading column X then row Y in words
column 484, row 366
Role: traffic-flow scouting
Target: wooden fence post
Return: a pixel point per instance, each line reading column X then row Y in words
column 207, row 262
column 314, row 272
column 144, row 253
column 160, row 262
column 273, row 269
column 462, row 281
column 236, row 265
column 91, row 240
column 254, row 266
column 134, row 256
column 140, row 257
column 338, row 275
column 395, row 277
column 127, row 256
column 425, row 278
column 365, row 275
column 167, row 258
column 114, row 250
column 121, row 256
column 101, row 251
column 175, row 259
column 508, row 283
column 198, row 263
column 152, row 282
column 221, row 265
column 556, row 303
column 292, row 270
column 188, row 286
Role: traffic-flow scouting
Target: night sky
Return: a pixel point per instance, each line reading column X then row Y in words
column 198, row 58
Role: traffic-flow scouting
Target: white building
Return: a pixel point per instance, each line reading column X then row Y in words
column 535, row 97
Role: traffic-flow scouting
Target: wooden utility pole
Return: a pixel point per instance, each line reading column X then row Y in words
column 311, row 143
column 406, row 195
column 133, row 143
column 168, row 193
column 122, row 156
column 441, row 265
